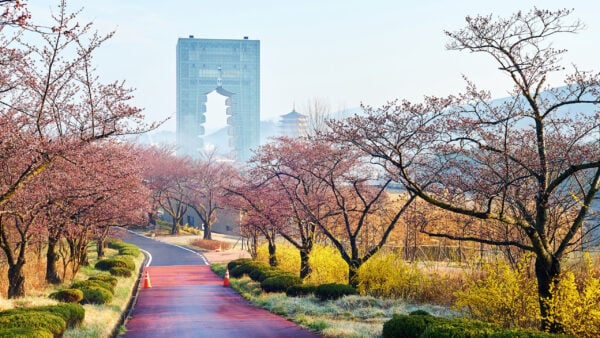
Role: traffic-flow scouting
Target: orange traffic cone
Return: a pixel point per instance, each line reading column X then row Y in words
column 226, row 280
column 147, row 283
column 219, row 248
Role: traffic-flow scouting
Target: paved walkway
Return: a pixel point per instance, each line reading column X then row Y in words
column 191, row 301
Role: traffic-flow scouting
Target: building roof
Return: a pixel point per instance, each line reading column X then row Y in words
column 293, row 115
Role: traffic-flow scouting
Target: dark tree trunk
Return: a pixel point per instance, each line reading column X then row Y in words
column 175, row 227
column 272, row 254
column 353, row 273
column 305, row 268
column 52, row 276
column 207, row 231
column 16, row 280
column 100, row 245
column 547, row 272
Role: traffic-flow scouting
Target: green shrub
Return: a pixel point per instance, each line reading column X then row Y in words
column 86, row 284
column 244, row 269
column 106, row 278
column 67, row 295
column 419, row 313
column 406, row 326
column 120, row 272
column 300, row 290
column 280, row 283
column 236, row 262
column 334, row 291
column 72, row 314
column 25, row 333
column 116, row 261
column 451, row 328
column 258, row 271
column 124, row 248
column 34, row 320
column 96, row 295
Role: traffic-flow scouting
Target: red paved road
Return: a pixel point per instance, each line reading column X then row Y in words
column 190, row 301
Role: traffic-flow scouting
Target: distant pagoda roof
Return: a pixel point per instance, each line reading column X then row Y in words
column 293, row 115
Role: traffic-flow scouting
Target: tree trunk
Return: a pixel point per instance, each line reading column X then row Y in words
column 272, row 256
column 52, row 276
column 353, row 273
column 175, row 227
column 100, row 245
column 16, row 280
column 547, row 271
column 207, row 231
column 305, row 268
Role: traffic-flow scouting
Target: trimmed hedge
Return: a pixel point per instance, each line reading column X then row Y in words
column 72, row 314
column 124, row 248
column 106, row 278
column 300, row 290
column 244, row 269
column 96, row 295
column 86, row 284
column 120, row 272
column 259, row 271
column 25, row 333
column 236, row 262
column 427, row 326
column 116, row 261
column 34, row 320
column 280, row 283
column 67, row 295
column 334, row 291
column 406, row 326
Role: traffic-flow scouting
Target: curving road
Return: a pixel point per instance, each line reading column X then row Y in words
column 188, row 300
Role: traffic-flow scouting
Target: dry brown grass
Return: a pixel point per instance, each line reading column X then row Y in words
column 209, row 244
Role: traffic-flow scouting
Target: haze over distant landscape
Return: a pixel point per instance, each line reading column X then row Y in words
column 343, row 52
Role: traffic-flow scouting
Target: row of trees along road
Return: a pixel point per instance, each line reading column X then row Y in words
column 529, row 166
column 64, row 179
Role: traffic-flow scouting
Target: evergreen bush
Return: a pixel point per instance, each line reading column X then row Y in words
column 116, row 261
column 406, row 326
column 34, row 320
column 96, row 295
column 258, row 271
column 84, row 284
column 236, row 262
column 244, row 269
column 25, row 333
column 67, row 295
column 120, row 272
column 106, row 278
column 300, row 290
column 72, row 314
column 334, row 291
column 279, row 283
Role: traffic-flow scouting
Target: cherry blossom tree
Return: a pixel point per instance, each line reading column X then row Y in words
column 263, row 207
column 206, row 189
column 531, row 163
column 330, row 185
column 167, row 177
column 51, row 102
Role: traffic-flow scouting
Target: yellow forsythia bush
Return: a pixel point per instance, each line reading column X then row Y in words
column 577, row 307
column 388, row 275
column 504, row 296
column 327, row 265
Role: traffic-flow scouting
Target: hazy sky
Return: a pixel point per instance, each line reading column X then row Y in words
column 340, row 52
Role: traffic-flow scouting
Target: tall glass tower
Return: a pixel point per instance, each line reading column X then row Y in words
column 232, row 69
